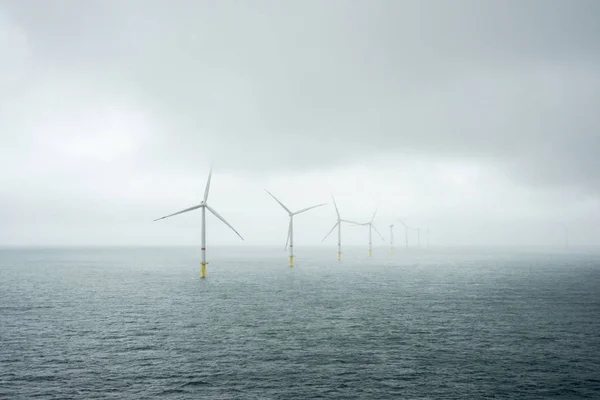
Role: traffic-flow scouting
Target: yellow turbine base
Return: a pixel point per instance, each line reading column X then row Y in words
column 370, row 253
column 291, row 261
column 339, row 255
column 203, row 270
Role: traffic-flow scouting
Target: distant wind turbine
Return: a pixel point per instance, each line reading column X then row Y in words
column 405, row 233
column 204, row 205
column 290, row 237
column 338, row 224
column 371, row 227
column 418, row 236
column 391, row 238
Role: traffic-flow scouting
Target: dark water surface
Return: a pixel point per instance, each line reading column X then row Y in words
column 139, row 323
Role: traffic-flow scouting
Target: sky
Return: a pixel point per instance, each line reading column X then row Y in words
column 476, row 120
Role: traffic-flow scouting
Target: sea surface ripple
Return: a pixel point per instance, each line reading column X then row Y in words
column 138, row 323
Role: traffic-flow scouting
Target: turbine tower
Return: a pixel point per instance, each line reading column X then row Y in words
column 405, row 233
column 338, row 224
column 418, row 236
column 204, row 206
column 391, row 238
column 371, row 227
column 290, row 237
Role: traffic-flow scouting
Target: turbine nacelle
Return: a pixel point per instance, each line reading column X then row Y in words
column 338, row 223
column 370, row 225
column 203, row 204
column 290, row 237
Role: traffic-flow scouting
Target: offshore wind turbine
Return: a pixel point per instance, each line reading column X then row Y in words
column 371, row 227
column 418, row 236
column 405, row 233
column 338, row 224
column 290, row 237
column 391, row 238
column 204, row 205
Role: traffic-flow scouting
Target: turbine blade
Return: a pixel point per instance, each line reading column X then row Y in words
column 289, row 234
column 280, row 203
column 179, row 212
column 374, row 214
column 378, row 233
column 309, row 208
column 336, row 224
column 336, row 209
column 405, row 226
column 351, row 222
column 358, row 223
column 216, row 214
column 207, row 185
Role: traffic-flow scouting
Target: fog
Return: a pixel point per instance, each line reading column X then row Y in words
column 476, row 120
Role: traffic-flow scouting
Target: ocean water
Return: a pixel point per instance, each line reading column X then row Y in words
column 139, row 323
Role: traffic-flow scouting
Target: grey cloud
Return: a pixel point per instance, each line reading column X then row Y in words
column 304, row 84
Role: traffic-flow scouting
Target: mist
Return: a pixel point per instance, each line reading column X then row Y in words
column 475, row 120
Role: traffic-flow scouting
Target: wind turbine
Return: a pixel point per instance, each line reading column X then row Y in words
column 338, row 224
column 371, row 227
column 204, row 205
column 391, row 238
column 405, row 233
column 418, row 236
column 290, row 237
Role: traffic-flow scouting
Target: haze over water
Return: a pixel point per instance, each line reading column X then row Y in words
column 129, row 323
column 454, row 123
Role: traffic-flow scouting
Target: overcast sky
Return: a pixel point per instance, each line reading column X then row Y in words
column 479, row 120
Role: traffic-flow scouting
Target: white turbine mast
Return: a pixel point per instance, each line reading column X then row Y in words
column 406, row 228
column 391, row 238
column 418, row 236
column 204, row 206
column 371, row 227
column 290, row 237
column 338, row 224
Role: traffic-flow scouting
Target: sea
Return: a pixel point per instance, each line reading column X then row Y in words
column 139, row 323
